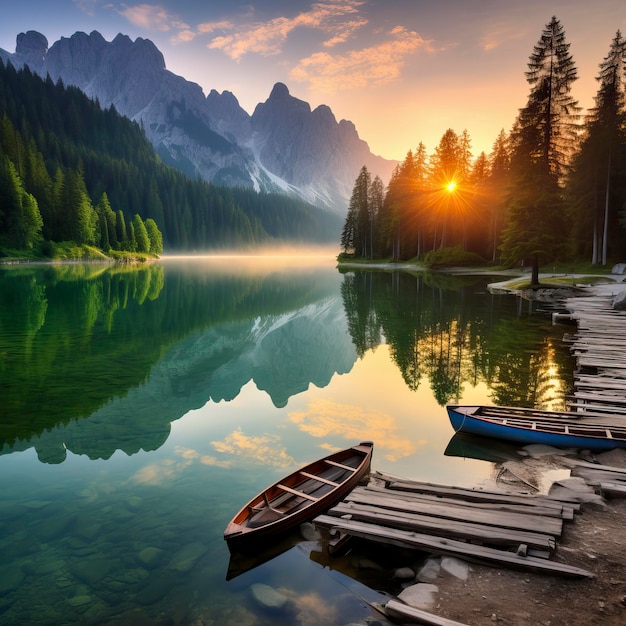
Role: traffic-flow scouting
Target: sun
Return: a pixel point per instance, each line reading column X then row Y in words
column 451, row 186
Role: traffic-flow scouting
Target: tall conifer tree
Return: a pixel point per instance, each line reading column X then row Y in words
column 543, row 138
column 595, row 189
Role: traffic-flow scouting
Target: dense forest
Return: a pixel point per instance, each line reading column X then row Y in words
column 552, row 189
column 72, row 171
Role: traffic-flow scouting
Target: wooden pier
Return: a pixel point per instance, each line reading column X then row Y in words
column 599, row 346
column 499, row 529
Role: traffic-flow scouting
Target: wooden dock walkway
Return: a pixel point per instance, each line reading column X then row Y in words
column 599, row 347
column 492, row 528
column 489, row 527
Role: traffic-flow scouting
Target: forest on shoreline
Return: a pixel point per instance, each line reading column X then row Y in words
column 76, row 179
column 552, row 189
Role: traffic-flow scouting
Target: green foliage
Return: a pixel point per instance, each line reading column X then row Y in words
column 155, row 237
column 543, row 139
column 452, row 257
column 356, row 234
column 69, row 152
column 71, row 251
column 596, row 189
column 20, row 219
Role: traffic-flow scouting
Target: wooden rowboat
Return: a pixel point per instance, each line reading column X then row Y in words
column 300, row 496
column 555, row 428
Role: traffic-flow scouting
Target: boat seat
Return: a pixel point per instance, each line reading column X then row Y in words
column 341, row 465
column 295, row 492
column 320, row 479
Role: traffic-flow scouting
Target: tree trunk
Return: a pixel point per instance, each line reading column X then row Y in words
column 605, row 232
column 534, row 272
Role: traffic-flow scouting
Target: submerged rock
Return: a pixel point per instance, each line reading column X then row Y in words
column 309, row 532
column 187, row 556
column 151, row 556
column 92, row 571
column 79, row 600
column 404, row 573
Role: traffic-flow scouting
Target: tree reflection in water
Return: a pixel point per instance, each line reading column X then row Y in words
column 446, row 331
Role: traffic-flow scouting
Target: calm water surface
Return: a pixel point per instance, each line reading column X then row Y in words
column 140, row 408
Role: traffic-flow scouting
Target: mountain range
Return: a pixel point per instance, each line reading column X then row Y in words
column 283, row 146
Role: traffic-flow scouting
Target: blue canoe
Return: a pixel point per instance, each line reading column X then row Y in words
column 560, row 429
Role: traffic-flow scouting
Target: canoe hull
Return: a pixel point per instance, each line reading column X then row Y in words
column 520, row 430
column 242, row 533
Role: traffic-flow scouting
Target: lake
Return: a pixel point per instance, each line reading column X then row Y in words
column 140, row 408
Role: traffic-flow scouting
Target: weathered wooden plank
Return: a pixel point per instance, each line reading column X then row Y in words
column 611, row 410
column 596, row 466
column 596, row 361
column 613, row 490
column 411, row 615
column 598, row 476
column 528, row 506
column 476, row 495
column 456, row 529
column 535, row 523
column 601, row 395
column 439, row 545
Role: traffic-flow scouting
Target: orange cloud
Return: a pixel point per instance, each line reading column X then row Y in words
column 266, row 38
column 377, row 64
column 264, row 450
column 325, row 418
column 497, row 38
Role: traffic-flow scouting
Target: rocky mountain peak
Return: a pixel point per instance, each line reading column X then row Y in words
column 279, row 91
column 282, row 146
column 32, row 48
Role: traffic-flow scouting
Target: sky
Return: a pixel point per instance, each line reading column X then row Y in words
column 403, row 71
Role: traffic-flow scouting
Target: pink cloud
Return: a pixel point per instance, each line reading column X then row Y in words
column 266, row 38
column 376, row 64
column 151, row 17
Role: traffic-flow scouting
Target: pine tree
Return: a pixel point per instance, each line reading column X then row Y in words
column 376, row 200
column 120, row 230
column 446, row 174
column 355, row 236
column 20, row 219
column 107, row 238
column 594, row 186
column 142, row 241
column 542, row 138
column 499, row 180
column 155, row 236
